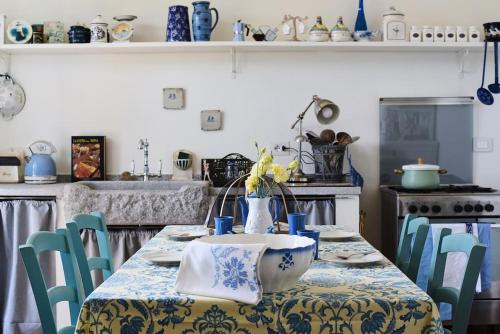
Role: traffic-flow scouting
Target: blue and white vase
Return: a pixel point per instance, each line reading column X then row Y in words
column 178, row 24
column 360, row 19
column 202, row 20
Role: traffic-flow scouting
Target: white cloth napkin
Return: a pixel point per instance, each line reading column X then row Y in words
column 222, row 271
column 455, row 262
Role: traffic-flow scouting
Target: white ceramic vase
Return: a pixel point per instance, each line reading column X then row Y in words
column 259, row 218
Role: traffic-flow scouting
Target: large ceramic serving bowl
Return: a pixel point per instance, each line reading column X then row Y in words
column 286, row 259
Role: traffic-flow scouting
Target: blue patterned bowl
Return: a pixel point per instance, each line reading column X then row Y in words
column 286, row 259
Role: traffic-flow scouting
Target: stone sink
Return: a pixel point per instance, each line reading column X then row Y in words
column 140, row 203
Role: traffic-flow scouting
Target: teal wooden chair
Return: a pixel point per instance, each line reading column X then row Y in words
column 415, row 230
column 460, row 299
column 46, row 298
column 93, row 221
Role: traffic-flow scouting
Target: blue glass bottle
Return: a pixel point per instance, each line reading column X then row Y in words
column 361, row 20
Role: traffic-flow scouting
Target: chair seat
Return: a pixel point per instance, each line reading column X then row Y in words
column 67, row 330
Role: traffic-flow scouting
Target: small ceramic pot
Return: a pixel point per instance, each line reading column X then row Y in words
column 99, row 30
column 492, row 31
column 79, row 34
column 319, row 32
column 420, row 176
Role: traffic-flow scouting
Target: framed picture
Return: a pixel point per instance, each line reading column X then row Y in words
column 211, row 120
column 88, row 158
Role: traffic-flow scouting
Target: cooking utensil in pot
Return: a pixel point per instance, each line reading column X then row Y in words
column 12, row 97
column 343, row 138
column 483, row 94
column 495, row 87
column 327, row 136
column 420, row 176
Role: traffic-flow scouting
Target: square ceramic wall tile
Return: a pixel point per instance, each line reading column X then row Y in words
column 173, row 98
column 211, row 120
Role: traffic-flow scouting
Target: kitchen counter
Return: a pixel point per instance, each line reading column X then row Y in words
column 57, row 190
column 32, row 190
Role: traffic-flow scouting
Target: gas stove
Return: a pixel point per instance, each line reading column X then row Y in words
column 450, row 201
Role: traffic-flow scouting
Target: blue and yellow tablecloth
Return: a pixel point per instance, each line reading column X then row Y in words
column 329, row 298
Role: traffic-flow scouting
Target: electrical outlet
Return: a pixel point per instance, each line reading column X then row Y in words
column 280, row 148
column 483, row 144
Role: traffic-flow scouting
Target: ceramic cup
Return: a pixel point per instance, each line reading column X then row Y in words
column 296, row 222
column 313, row 234
column 223, row 225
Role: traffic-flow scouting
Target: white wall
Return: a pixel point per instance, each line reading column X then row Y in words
column 120, row 95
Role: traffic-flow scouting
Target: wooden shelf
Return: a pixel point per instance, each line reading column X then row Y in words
column 229, row 46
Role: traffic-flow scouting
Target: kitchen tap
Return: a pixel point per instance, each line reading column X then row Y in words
column 144, row 146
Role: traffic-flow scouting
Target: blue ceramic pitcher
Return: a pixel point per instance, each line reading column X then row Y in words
column 178, row 24
column 202, row 20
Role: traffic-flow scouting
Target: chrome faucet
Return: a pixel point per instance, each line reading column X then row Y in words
column 144, row 145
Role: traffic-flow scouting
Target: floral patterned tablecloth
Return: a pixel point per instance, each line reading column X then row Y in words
column 329, row 298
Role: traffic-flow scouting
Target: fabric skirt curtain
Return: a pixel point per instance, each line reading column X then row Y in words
column 124, row 244
column 18, row 220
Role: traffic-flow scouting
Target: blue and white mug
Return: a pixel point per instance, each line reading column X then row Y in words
column 224, row 225
column 178, row 24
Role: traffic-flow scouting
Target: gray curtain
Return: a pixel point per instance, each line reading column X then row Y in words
column 124, row 244
column 18, row 220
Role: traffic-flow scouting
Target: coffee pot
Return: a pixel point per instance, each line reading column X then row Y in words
column 239, row 31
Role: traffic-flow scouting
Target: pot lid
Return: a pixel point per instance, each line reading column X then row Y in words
column 393, row 11
column 420, row 167
column 98, row 20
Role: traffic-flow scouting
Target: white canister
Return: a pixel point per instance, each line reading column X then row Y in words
column 394, row 25
column 438, row 34
column 98, row 30
column 428, row 34
column 474, row 34
column 451, row 34
column 415, row 34
column 462, row 34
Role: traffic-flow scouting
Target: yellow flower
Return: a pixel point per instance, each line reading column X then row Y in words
column 252, row 183
column 280, row 174
column 266, row 159
column 293, row 165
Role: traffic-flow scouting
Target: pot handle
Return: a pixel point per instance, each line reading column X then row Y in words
column 443, row 171
column 399, row 171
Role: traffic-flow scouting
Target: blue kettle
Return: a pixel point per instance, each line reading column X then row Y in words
column 40, row 167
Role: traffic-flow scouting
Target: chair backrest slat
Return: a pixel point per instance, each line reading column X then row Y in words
column 461, row 300
column 414, row 231
column 41, row 242
column 94, row 221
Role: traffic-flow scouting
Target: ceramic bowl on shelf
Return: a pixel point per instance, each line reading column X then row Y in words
column 285, row 260
column 19, row 32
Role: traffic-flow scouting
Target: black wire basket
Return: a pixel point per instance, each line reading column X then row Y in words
column 328, row 161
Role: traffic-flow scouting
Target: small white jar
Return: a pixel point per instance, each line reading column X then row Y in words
column 98, row 30
column 415, row 34
column 439, row 34
column 451, row 34
column 462, row 34
column 474, row 34
column 428, row 34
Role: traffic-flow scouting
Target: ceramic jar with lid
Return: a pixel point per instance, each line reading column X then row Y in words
column 123, row 31
column 415, row 34
column 451, row 34
column 439, row 34
column 462, row 34
column 79, row 34
column 474, row 34
column 428, row 34
column 394, row 25
column 99, row 30
column 340, row 33
column 319, row 32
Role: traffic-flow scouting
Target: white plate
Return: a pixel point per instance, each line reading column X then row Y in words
column 354, row 259
column 163, row 258
column 337, row 235
column 187, row 236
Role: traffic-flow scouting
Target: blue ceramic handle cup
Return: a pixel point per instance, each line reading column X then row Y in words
column 313, row 234
column 296, row 222
column 223, row 225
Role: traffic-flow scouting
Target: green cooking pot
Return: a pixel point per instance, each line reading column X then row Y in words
column 421, row 176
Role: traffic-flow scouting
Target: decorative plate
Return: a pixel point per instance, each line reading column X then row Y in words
column 19, row 32
column 122, row 32
column 337, row 235
column 163, row 258
column 353, row 258
column 187, row 236
column 12, row 97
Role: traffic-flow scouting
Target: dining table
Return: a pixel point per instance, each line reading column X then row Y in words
column 329, row 298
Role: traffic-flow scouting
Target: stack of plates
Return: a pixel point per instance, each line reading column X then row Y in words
column 337, row 235
column 354, row 257
column 187, row 236
column 163, row 258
